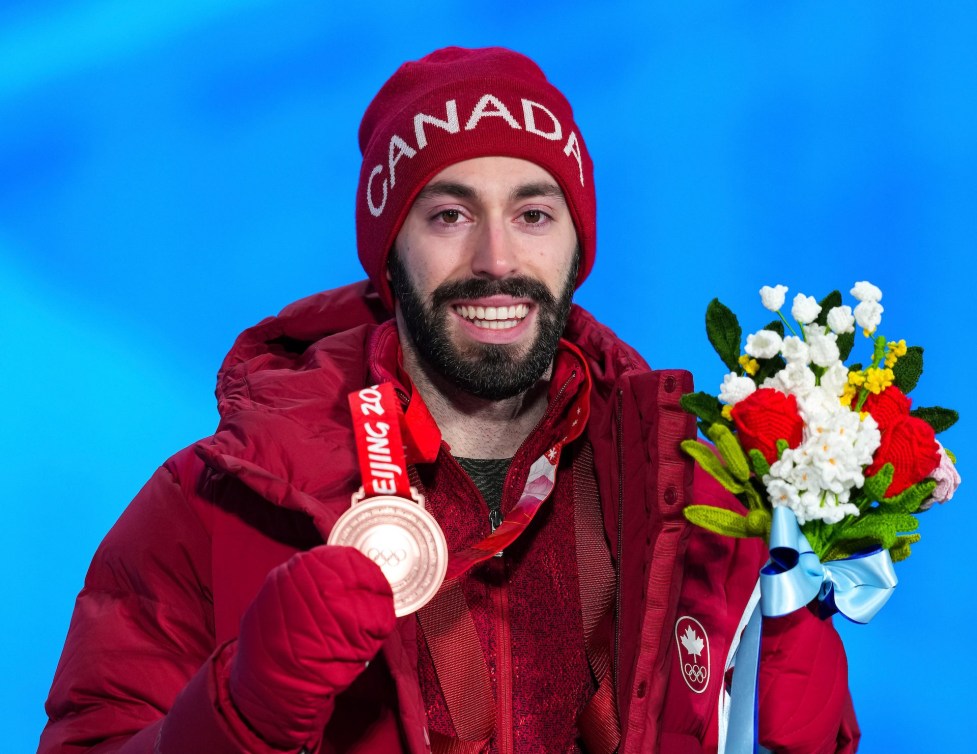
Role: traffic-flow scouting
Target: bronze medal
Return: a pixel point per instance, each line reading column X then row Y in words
column 403, row 539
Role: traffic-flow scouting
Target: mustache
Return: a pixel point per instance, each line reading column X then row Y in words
column 517, row 287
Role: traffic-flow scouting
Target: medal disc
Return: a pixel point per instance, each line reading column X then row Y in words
column 404, row 540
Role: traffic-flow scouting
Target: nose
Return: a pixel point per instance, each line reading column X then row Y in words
column 494, row 254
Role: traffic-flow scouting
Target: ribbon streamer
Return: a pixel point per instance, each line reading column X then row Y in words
column 857, row 587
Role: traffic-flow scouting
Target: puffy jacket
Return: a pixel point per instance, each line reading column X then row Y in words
column 145, row 663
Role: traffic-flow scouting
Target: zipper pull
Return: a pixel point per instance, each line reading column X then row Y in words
column 495, row 521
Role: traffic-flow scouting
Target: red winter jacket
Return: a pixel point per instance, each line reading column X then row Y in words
column 145, row 663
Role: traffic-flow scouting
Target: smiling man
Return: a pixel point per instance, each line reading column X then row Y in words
column 533, row 457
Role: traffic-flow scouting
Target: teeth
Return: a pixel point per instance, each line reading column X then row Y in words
column 494, row 317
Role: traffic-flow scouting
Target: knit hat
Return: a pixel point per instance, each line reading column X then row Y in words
column 453, row 105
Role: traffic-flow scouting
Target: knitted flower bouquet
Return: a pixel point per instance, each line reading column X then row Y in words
column 837, row 445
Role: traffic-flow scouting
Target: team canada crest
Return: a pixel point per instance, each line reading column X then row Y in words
column 693, row 652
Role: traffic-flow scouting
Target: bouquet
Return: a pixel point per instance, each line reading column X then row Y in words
column 830, row 460
column 837, row 445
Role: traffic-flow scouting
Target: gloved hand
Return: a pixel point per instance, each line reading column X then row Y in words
column 314, row 625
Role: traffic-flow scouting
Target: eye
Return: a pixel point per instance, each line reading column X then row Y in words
column 533, row 216
column 449, row 216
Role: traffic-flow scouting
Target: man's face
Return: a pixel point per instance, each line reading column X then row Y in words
column 483, row 271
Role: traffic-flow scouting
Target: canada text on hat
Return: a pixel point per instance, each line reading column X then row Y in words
column 488, row 106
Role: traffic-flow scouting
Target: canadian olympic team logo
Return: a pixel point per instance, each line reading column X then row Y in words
column 693, row 652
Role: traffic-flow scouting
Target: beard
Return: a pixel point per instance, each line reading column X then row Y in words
column 492, row 371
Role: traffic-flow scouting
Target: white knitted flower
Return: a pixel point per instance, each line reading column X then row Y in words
column 773, row 298
column 840, row 319
column 834, row 379
column 824, row 348
column 796, row 379
column 865, row 291
column 795, row 350
column 868, row 315
column 828, row 464
column 764, row 344
column 805, row 309
column 735, row 388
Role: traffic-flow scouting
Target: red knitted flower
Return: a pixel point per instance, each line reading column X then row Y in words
column 887, row 407
column 909, row 444
column 765, row 416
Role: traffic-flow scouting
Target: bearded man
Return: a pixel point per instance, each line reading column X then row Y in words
column 581, row 612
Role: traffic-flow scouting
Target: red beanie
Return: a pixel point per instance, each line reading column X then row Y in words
column 453, row 105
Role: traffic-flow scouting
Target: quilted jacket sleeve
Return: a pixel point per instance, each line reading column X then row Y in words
column 804, row 702
column 140, row 671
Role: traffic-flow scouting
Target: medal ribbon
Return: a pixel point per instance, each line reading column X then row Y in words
column 376, row 415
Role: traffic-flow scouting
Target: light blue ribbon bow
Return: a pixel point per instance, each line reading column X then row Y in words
column 856, row 587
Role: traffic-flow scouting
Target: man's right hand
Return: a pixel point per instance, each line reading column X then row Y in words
column 313, row 627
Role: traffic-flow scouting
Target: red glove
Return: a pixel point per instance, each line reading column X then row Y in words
column 315, row 624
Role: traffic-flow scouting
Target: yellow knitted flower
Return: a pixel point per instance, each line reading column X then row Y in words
column 877, row 380
column 848, row 395
column 727, row 413
column 857, row 379
column 893, row 351
column 750, row 366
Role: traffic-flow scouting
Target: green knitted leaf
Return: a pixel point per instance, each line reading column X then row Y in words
column 754, row 501
column 901, row 549
column 845, row 549
column 846, row 342
column 724, row 332
column 706, row 407
column 908, row 369
column 883, row 528
column 760, row 465
column 782, row 445
column 878, row 483
column 718, row 520
column 909, row 500
column 731, row 451
column 777, row 326
column 937, row 417
column 704, row 456
column 828, row 303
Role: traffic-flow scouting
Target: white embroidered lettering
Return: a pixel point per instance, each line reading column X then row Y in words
column 371, row 399
column 378, row 444
column 374, row 210
column 384, row 487
column 529, row 115
column 380, row 430
column 573, row 147
column 403, row 150
column 450, row 124
column 500, row 111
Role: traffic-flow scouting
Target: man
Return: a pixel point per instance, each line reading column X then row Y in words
column 214, row 619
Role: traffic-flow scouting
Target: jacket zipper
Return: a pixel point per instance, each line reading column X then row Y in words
column 504, row 723
column 504, row 733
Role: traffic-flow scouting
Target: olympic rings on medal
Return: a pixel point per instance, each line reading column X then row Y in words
column 386, row 557
column 695, row 673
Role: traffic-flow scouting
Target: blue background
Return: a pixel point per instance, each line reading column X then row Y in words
column 171, row 172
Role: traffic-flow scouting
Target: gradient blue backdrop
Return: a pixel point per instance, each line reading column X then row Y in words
column 171, row 172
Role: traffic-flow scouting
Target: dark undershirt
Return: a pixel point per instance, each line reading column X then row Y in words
column 488, row 474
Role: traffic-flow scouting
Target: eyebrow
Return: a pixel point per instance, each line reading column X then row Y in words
column 463, row 191
column 543, row 188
